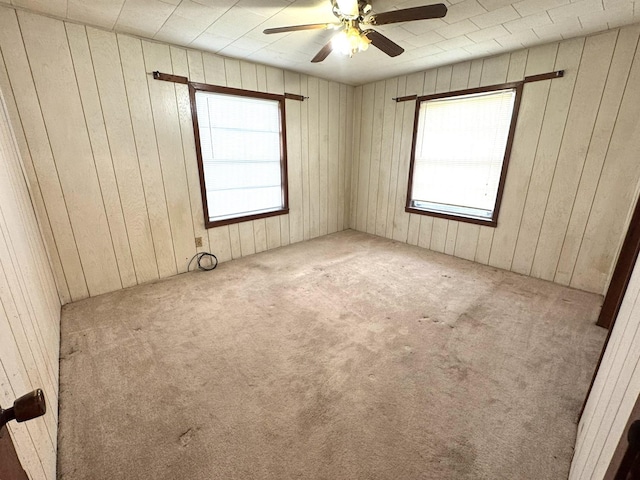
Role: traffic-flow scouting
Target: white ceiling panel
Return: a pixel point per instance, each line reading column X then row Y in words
column 100, row 13
column 471, row 29
column 143, row 17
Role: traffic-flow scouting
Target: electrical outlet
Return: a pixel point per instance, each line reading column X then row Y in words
column 198, row 241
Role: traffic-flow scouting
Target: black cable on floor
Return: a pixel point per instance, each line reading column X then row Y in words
column 212, row 258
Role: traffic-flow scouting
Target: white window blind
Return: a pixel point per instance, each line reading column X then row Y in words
column 459, row 151
column 241, row 157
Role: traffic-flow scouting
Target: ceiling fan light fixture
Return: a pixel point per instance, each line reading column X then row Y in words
column 350, row 41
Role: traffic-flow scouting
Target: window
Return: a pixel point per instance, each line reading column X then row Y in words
column 241, row 148
column 461, row 146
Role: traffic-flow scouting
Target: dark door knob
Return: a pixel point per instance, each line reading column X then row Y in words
column 31, row 405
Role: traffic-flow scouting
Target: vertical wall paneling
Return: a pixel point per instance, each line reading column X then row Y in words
column 294, row 158
column 36, row 337
column 386, row 149
column 333, row 156
column 57, row 282
column 614, row 393
column 615, row 192
column 304, row 132
column 356, row 157
column 398, row 108
column 380, row 102
column 115, row 106
column 347, row 117
column 314, row 155
column 233, row 72
column 323, row 156
column 29, row 311
column 364, row 151
column 587, row 94
column 220, row 243
column 343, row 140
column 36, row 152
column 215, row 72
column 145, row 143
column 607, row 114
column 571, row 177
column 180, row 65
column 260, row 234
column 534, row 99
column 247, row 238
column 69, row 140
column 414, row 85
column 41, row 167
column 167, row 124
column 90, row 97
column 553, row 125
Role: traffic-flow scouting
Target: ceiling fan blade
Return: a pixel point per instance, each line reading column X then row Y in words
column 323, row 53
column 388, row 46
column 297, row 28
column 425, row 12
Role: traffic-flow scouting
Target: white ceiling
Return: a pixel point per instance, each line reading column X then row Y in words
column 233, row 28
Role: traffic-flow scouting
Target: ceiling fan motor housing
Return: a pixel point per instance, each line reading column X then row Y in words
column 350, row 9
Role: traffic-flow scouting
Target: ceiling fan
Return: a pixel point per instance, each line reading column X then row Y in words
column 354, row 33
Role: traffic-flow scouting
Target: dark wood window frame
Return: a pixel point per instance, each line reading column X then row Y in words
column 195, row 87
column 493, row 222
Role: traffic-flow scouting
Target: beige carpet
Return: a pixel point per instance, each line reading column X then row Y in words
column 346, row 357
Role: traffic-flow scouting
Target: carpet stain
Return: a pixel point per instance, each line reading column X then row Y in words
column 186, row 437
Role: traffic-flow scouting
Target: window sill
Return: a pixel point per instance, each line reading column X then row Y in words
column 246, row 218
column 459, row 218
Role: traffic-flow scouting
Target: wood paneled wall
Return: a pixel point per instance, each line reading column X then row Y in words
column 614, row 394
column 29, row 313
column 111, row 155
column 573, row 175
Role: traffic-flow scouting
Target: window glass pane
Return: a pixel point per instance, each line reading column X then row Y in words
column 460, row 147
column 230, row 203
column 245, row 145
column 238, row 175
column 241, row 154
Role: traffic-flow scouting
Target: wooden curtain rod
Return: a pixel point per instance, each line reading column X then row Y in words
column 532, row 78
column 544, row 76
column 405, row 99
column 170, row 78
column 166, row 77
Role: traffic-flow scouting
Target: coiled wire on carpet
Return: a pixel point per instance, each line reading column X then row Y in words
column 213, row 259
